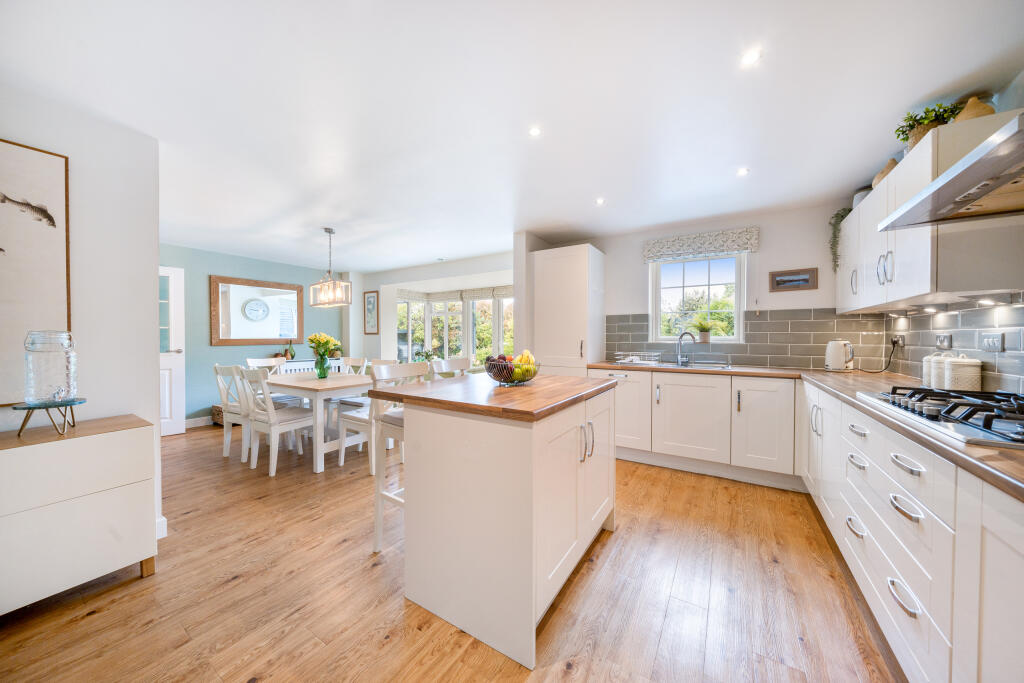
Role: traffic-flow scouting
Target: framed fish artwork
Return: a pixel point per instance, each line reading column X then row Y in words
column 35, row 284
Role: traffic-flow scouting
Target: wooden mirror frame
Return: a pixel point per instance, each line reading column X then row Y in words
column 217, row 280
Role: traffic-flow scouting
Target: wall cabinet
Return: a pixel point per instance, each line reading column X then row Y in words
column 762, row 424
column 633, row 399
column 691, row 414
column 987, row 599
column 568, row 308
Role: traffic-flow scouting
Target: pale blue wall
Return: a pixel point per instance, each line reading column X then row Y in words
column 199, row 265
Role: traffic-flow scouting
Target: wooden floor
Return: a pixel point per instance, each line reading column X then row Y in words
column 705, row 579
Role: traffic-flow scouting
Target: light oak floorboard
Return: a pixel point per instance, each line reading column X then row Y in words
column 705, row 579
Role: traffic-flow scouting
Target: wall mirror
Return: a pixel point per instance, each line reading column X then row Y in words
column 244, row 312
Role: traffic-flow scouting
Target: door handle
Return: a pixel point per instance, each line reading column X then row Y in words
column 853, row 280
column 176, row 351
column 814, row 410
column 612, row 374
column 849, row 525
column 593, row 438
column 858, row 430
column 817, row 420
column 581, row 348
column 583, row 455
column 906, row 464
column 657, row 394
column 890, row 275
column 737, row 400
column 856, row 463
column 912, row 612
column 913, row 516
column 878, row 272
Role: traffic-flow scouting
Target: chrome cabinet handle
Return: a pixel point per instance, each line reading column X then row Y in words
column 890, row 257
column 849, row 525
column 612, row 374
column 737, row 400
column 858, row 430
column 912, row 612
column 878, row 273
column 593, row 438
column 906, row 464
column 817, row 420
column 175, row 351
column 814, row 411
column 853, row 280
column 894, row 500
column 583, row 455
column 853, row 461
column 581, row 348
column 657, row 394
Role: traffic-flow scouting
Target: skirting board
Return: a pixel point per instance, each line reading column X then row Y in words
column 788, row 482
column 198, row 422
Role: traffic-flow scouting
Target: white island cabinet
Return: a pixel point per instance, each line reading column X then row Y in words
column 505, row 489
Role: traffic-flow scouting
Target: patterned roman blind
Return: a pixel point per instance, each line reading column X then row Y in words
column 715, row 243
column 502, row 292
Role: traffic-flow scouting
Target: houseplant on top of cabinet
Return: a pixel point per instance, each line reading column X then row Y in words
column 916, row 126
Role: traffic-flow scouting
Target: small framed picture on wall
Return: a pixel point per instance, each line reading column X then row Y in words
column 371, row 312
column 793, row 280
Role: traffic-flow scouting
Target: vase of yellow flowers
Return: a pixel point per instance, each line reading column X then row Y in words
column 322, row 345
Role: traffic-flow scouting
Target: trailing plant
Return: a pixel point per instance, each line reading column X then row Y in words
column 833, row 241
column 938, row 113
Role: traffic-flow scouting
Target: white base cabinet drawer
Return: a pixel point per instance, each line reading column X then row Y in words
column 632, row 407
column 926, row 476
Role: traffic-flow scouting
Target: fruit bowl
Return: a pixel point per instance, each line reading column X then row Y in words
column 510, row 373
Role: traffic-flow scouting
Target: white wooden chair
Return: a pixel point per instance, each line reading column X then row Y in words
column 456, row 366
column 233, row 406
column 273, row 365
column 269, row 419
column 387, row 421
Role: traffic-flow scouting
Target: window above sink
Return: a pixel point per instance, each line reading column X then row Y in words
column 686, row 292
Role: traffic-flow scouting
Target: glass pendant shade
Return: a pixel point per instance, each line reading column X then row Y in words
column 330, row 291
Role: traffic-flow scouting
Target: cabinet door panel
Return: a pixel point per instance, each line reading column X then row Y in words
column 809, row 442
column 762, row 423
column 850, row 278
column 560, row 309
column 832, row 458
column 597, row 470
column 873, row 245
column 632, row 407
column 690, row 415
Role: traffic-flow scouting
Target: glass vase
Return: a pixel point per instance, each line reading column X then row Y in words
column 322, row 366
column 51, row 367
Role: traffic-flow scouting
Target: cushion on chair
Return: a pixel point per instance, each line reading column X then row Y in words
column 357, row 401
column 359, row 416
column 293, row 414
column 394, row 417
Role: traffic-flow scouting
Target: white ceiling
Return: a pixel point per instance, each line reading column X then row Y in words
column 404, row 124
column 497, row 278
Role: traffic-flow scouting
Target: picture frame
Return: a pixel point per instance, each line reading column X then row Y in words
column 371, row 312
column 230, row 297
column 794, row 280
column 35, row 245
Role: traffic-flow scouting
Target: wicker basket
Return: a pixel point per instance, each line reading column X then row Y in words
column 217, row 413
column 914, row 136
column 889, row 165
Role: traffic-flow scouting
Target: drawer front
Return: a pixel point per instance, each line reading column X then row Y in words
column 47, row 473
column 926, row 476
column 917, row 643
column 933, row 586
column 52, row 548
column 862, row 431
column 632, row 407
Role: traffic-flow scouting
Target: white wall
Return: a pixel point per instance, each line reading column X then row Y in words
column 114, row 211
column 523, row 243
column 384, row 345
column 790, row 238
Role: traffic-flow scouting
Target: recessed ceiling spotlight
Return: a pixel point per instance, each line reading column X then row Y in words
column 986, row 302
column 751, row 57
column 599, row 201
column 534, row 131
column 442, row 258
column 742, row 171
column 931, row 310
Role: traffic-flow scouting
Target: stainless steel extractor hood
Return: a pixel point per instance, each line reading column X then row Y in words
column 988, row 180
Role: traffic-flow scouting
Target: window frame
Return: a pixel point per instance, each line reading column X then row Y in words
column 497, row 325
column 739, row 305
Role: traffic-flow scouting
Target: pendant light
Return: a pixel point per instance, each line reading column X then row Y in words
column 330, row 291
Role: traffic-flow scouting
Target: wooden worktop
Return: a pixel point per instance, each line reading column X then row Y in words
column 478, row 394
column 46, row 434
column 1000, row 467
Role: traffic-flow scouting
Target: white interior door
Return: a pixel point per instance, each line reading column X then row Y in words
column 172, row 350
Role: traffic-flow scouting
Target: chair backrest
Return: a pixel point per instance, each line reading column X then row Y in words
column 254, row 384
column 355, row 366
column 382, row 361
column 229, row 386
column 273, row 365
column 292, row 367
column 394, row 374
column 459, row 366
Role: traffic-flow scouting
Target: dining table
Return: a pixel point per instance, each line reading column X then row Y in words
column 308, row 386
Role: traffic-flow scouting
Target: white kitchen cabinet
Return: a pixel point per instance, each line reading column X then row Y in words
column 568, row 308
column 987, row 598
column 874, row 245
column 808, row 458
column 598, row 470
column 632, row 407
column 850, row 277
column 762, row 424
column 691, row 415
column 831, row 469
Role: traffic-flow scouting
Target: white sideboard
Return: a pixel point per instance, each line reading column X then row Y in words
column 74, row 507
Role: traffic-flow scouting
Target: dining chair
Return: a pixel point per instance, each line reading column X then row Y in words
column 269, row 419
column 348, row 365
column 457, row 366
column 387, row 421
column 232, row 405
column 273, row 365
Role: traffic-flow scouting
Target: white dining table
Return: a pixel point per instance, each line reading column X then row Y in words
column 308, row 385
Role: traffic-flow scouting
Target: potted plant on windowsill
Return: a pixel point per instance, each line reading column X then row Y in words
column 916, row 126
column 704, row 326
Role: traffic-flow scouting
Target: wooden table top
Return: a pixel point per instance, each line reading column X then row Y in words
column 46, row 434
column 478, row 394
column 308, row 381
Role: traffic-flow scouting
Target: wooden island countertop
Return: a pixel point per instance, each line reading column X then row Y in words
column 478, row 394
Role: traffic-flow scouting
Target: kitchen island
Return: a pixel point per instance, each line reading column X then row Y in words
column 504, row 490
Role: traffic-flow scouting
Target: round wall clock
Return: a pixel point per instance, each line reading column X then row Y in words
column 255, row 309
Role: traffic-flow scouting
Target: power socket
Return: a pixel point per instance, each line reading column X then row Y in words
column 899, row 340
